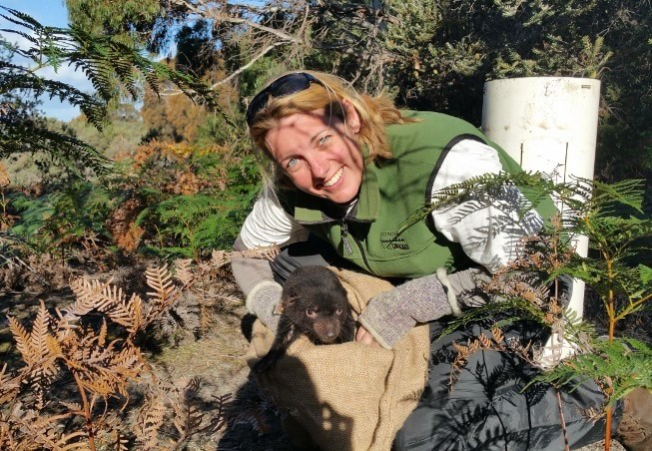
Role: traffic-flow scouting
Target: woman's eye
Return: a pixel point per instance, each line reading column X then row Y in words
column 311, row 313
column 339, row 311
column 324, row 140
column 292, row 165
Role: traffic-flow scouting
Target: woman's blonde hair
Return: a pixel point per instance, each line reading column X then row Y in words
column 375, row 112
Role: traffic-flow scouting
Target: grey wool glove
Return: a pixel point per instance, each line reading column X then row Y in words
column 465, row 288
column 264, row 302
column 391, row 315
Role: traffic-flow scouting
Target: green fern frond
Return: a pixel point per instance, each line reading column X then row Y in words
column 627, row 192
column 15, row 77
column 504, row 313
column 623, row 364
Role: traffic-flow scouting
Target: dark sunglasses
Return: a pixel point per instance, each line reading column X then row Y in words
column 281, row 87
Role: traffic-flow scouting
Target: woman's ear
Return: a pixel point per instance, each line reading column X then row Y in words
column 352, row 117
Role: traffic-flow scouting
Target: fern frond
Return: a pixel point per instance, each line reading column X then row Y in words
column 42, row 430
column 627, row 192
column 21, row 336
column 184, row 272
column 165, row 293
column 73, row 407
column 40, row 332
column 136, row 314
column 36, row 350
column 16, row 77
column 108, row 299
column 188, row 416
column 160, row 280
column 28, row 136
column 106, row 61
column 150, row 419
column 120, row 441
column 220, row 258
column 9, row 387
column 86, row 294
column 65, row 445
column 622, row 364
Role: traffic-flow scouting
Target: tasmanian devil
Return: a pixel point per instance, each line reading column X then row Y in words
column 314, row 304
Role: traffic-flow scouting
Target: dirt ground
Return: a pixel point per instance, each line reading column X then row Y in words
column 216, row 358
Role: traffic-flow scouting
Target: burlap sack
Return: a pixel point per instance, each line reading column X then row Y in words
column 348, row 396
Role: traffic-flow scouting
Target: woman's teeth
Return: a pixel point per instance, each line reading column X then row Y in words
column 333, row 180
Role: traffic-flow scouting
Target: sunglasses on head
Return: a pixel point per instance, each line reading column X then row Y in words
column 281, row 87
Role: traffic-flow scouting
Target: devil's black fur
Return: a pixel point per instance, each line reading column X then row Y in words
column 314, row 304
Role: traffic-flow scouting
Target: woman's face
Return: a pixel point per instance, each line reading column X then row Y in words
column 320, row 154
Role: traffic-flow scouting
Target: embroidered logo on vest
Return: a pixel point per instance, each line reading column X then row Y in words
column 392, row 240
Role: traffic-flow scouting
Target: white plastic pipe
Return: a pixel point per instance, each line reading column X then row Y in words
column 547, row 124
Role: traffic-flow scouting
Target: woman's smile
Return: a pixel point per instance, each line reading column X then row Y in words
column 336, row 178
column 319, row 153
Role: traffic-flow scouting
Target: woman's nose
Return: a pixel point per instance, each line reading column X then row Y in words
column 318, row 166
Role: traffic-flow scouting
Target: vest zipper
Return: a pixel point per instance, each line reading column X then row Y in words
column 347, row 245
column 345, row 241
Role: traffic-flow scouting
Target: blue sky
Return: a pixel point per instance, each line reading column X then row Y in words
column 54, row 13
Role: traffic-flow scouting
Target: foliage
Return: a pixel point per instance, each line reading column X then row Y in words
column 102, row 361
column 59, row 220
column 172, row 200
column 124, row 19
column 173, row 117
column 22, row 130
column 194, row 202
column 434, row 54
column 122, row 133
column 110, row 64
column 625, row 361
column 610, row 215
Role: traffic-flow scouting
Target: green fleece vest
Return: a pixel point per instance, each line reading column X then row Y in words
column 373, row 236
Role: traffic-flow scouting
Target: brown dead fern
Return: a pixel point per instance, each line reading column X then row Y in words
column 151, row 417
column 39, row 351
column 165, row 293
column 220, row 258
column 180, row 406
column 62, row 345
column 208, row 287
column 102, row 361
column 495, row 342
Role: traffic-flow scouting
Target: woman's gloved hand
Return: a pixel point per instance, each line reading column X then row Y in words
column 390, row 315
column 264, row 301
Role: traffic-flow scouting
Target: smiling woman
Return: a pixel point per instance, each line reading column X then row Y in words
column 352, row 173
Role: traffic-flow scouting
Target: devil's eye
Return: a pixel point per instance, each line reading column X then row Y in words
column 311, row 313
column 339, row 311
